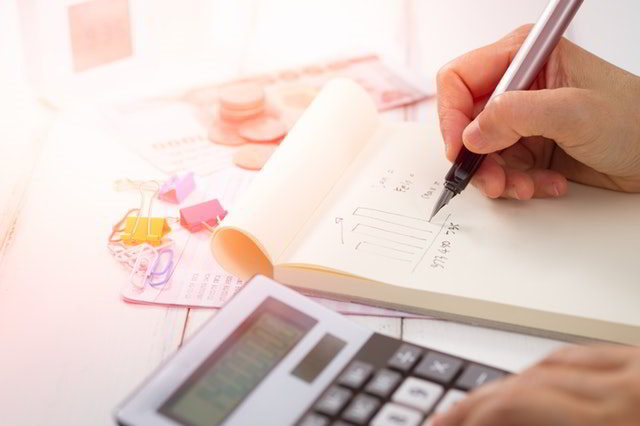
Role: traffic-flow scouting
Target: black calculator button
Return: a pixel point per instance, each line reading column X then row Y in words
column 396, row 415
column 417, row 393
column 438, row 367
column 476, row 375
column 356, row 374
column 333, row 400
column 341, row 423
column 450, row 399
column 314, row 419
column 405, row 357
column 361, row 409
column 383, row 383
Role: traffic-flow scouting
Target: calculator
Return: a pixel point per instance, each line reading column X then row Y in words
column 274, row 357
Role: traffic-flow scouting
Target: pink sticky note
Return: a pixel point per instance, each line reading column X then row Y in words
column 177, row 188
column 209, row 212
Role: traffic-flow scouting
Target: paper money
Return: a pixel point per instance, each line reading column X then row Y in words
column 175, row 133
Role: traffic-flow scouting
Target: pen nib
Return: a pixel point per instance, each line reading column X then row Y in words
column 444, row 199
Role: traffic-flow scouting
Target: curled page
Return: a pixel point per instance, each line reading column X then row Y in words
column 293, row 183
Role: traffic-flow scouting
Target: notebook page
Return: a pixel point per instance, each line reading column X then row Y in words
column 575, row 255
column 294, row 181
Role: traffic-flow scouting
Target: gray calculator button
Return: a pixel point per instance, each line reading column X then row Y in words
column 333, row 400
column 356, row 374
column 361, row 409
column 383, row 383
column 314, row 420
column 396, row 415
column 449, row 399
column 476, row 375
column 418, row 393
column 405, row 357
column 438, row 367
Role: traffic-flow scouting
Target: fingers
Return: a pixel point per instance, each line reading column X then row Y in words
column 495, row 178
column 470, row 77
column 596, row 357
column 513, row 115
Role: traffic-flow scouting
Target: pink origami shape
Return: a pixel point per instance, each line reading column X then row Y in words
column 209, row 212
column 177, row 188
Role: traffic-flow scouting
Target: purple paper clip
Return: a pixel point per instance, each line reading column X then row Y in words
column 166, row 271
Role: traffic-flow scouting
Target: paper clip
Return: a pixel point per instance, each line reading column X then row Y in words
column 203, row 215
column 142, row 267
column 166, row 271
column 177, row 188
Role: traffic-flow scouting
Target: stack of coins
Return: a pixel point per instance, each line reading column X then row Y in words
column 244, row 119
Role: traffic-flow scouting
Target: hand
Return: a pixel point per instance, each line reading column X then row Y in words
column 580, row 121
column 575, row 386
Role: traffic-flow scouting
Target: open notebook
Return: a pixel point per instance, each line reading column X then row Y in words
column 342, row 206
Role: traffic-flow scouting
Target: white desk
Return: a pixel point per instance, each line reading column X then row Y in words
column 70, row 348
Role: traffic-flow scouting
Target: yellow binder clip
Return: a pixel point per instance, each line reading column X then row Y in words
column 139, row 230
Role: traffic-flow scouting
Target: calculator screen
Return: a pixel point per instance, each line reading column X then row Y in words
column 238, row 365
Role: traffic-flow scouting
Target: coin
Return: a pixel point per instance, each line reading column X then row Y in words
column 242, row 97
column 223, row 134
column 263, row 129
column 253, row 156
column 240, row 115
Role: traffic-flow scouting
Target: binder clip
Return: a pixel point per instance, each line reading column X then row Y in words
column 177, row 188
column 142, row 230
column 203, row 215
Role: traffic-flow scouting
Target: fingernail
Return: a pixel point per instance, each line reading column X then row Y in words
column 472, row 136
column 512, row 191
column 553, row 190
column 480, row 184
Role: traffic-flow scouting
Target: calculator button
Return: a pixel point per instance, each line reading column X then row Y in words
column 356, row 374
column 341, row 423
column 361, row 409
column 418, row 393
column 396, row 415
column 333, row 400
column 405, row 357
column 438, row 367
column 476, row 375
column 449, row 400
column 383, row 383
column 314, row 419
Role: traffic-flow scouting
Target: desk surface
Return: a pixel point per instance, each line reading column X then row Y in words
column 70, row 347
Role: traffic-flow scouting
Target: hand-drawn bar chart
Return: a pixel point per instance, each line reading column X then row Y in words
column 393, row 236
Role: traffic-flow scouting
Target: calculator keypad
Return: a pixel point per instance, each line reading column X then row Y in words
column 392, row 383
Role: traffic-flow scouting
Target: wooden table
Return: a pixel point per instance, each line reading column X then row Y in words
column 70, row 348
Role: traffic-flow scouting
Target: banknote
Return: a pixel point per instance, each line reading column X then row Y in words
column 204, row 129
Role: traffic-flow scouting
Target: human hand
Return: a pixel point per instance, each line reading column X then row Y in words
column 580, row 121
column 575, row 386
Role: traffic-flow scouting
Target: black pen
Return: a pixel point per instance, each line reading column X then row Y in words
column 520, row 74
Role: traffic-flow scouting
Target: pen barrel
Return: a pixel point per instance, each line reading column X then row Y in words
column 463, row 169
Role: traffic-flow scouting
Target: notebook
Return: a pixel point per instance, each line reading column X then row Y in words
column 341, row 210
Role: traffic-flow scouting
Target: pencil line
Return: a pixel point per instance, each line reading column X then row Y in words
column 387, row 247
column 432, row 241
column 386, row 230
column 388, row 239
column 394, row 223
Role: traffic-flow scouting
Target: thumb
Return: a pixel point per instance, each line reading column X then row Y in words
column 563, row 115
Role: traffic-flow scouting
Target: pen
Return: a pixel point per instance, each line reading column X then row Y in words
column 520, row 74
